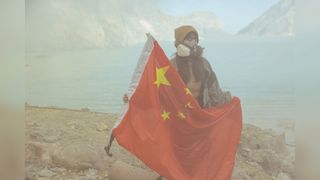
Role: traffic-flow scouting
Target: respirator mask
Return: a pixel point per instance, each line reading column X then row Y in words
column 189, row 48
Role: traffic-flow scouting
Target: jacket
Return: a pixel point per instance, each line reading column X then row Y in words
column 212, row 94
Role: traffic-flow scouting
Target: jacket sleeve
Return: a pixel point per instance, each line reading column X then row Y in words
column 216, row 94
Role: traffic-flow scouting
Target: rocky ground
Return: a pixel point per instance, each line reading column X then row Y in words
column 68, row 144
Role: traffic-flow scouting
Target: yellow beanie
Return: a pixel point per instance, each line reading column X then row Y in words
column 181, row 32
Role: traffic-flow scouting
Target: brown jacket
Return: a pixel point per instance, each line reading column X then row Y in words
column 212, row 94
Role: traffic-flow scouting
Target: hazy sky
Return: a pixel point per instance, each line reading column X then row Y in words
column 235, row 14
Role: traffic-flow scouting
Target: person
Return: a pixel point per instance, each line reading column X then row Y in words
column 195, row 71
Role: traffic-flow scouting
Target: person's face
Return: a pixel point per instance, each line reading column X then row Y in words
column 191, row 39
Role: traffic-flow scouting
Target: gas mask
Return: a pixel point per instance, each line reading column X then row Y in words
column 189, row 48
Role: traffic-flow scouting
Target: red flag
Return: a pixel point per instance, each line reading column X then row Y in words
column 164, row 126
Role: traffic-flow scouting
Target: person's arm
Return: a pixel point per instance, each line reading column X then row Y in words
column 217, row 95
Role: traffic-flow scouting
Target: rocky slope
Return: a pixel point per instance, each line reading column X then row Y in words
column 277, row 21
column 74, row 24
column 68, row 144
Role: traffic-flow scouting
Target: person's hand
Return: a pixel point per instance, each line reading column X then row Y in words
column 125, row 98
column 107, row 149
column 228, row 97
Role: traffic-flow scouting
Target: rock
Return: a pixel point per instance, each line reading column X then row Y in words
column 82, row 178
column 36, row 136
column 91, row 174
column 262, row 154
column 46, row 158
column 73, row 125
column 51, row 139
column 102, row 127
column 46, row 173
column 57, row 169
column 268, row 160
column 78, row 156
column 238, row 174
column 249, row 170
column 38, row 153
column 243, row 151
column 282, row 176
column 34, row 150
column 253, row 137
column 121, row 170
column 35, row 125
column 85, row 109
column 241, row 176
column 28, row 175
column 53, row 136
column 43, row 178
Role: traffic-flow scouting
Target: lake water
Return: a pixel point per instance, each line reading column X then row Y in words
column 259, row 71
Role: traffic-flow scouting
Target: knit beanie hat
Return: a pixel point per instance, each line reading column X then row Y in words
column 181, row 32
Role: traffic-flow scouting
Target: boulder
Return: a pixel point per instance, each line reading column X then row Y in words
column 79, row 156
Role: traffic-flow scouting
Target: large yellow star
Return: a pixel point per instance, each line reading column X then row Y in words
column 181, row 115
column 187, row 91
column 165, row 115
column 161, row 78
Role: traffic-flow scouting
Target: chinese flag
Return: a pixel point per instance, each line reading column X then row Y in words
column 164, row 126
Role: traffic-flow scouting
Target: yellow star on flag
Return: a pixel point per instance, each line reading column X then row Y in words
column 181, row 115
column 165, row 115
column 187, row 91
column 189, row 105
column 161, row 78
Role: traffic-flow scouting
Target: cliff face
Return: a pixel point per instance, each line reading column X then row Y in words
column 277, row 21
column 68, row 144
column 74, row 24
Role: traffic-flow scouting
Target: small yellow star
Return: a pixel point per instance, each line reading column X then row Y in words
column 189, row 105
column 181, row 115
column 165, row 115
column 161, row 78
column 187, row 91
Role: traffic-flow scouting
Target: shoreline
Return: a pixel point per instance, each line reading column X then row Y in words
column 85, row 109
column 290, row 144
